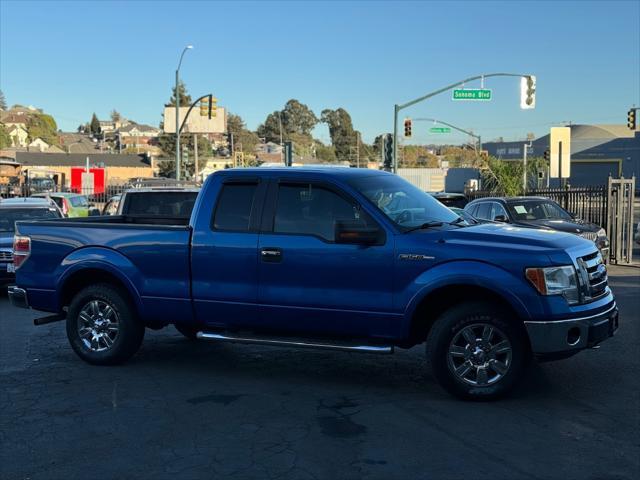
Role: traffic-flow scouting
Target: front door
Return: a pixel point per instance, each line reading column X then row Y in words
column 311, row 284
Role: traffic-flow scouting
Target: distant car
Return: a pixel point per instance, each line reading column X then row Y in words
column 111, row 207
column 41, row 184
column 167, row 202
column 638, row 233
column 12, row 210
column 71, row 204
column 465, row 215
column 448, row 199
column 537, row 212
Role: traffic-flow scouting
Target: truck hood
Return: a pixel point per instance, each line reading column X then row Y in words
column 509, row 236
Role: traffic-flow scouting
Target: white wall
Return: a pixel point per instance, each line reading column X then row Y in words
column 426, row 179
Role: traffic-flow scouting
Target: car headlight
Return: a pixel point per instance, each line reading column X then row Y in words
column 555, row 281
column 601, row 233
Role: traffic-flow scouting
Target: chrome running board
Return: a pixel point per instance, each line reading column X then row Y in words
column 297, row 343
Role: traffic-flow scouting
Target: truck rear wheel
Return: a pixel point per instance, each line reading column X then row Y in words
column 102, row 325
column 476, row 353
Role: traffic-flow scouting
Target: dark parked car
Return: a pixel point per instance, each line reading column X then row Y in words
column 162, row 202
column 12, row 210
column 537, row 212
column 458, row 200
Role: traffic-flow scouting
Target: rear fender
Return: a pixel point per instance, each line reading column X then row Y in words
column 105, row 259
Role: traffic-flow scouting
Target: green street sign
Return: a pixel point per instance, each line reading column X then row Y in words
column 440, row 130
column 482, row 94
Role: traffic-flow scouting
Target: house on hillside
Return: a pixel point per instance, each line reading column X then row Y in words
column 38, row 145
column 137, row 135
column 19, row 135
column 10, row 119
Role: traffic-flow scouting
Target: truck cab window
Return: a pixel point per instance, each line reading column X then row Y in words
column 233, row 211
column 308, row 209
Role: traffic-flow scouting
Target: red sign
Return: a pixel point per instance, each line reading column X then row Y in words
column 95, row 185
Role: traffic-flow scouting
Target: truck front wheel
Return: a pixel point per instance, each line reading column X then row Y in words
column 102, row 325
column 475, row 351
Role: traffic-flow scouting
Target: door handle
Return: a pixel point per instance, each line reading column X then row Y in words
column 271, row 254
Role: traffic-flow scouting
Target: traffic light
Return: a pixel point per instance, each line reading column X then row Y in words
column 387, row 163
column 214, row 106
column 547, row 155
column 631, row 118
column 205, row 107
column 528, row 92
column 407, row 128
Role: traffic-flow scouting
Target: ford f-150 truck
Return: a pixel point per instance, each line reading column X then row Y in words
column 347, row 259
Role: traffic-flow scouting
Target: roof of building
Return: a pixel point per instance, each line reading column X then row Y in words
column 27, row 159
column 139, row 127
column 15, row 118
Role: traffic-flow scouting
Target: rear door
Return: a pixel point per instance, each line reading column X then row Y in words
column 224, row 262
column 308, row 282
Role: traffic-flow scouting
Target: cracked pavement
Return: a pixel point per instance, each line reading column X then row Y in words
column 185, row 409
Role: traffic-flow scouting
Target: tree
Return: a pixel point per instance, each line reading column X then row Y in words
column 95, row 125
column 115, row 116
column 41, row 125
column 343, row 136
column 505, row 177
column 3, row 101
column 270, row 129
column 298, row 118
column 185, row 98
column 325, row 153
column 5, row 139
column 243, row 139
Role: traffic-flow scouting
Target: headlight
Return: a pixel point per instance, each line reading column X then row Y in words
column 555, row 281
column 601, row 233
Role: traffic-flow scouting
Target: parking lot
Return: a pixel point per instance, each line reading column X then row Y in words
column 183, row 409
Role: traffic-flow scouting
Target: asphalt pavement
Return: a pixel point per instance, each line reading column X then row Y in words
column 184, row 409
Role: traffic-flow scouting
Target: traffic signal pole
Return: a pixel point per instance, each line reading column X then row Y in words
column 471, row 134
column 397, row 108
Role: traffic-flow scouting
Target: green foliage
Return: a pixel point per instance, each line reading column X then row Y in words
column 298, row 118
column 94, row 125
column 185, row 98
column 503, row 177
column 5, row 139
column 325, row 153
column 3, row 101
column 270, row 129
column 41, row 125
column 343, row 136
column 243, row 139
column 295, row 121
column 460, row 157
column 167, row 142
column 418, row 156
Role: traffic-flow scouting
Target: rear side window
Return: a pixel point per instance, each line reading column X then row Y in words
column 79, row 201
column 233, row 211
column 484, row 211
column 166, row 204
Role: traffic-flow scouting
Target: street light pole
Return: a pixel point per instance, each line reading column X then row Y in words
column 188, row 47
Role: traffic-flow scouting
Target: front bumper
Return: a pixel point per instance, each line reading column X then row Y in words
column 565, row 337
column 18, row 297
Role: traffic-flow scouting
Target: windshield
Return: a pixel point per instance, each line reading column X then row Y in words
column 79, row 201
column 537, row 210
column 404, row 204
column 9, row 216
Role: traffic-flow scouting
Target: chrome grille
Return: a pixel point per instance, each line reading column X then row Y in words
column 593, row 275
column 6, row 256
column 589, row 235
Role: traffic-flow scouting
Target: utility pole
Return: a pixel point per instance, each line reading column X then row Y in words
column 397, row 108
column 195, row 156
column 188, row 47
column 524, row 170
column 358, row 149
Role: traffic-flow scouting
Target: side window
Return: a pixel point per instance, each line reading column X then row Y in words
column 498, row 209
column 471, row 210
column 309, row 209
column 484, row 211
column 233, row 210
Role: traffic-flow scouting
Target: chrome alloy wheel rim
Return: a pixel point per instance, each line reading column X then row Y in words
column 98, row 325
column 479, row 354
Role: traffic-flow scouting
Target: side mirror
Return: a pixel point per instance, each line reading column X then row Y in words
column 357, row 234
column 501, row 218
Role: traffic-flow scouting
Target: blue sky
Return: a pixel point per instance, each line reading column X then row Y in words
column 74, row 58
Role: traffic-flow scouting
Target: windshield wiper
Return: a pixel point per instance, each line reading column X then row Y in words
column 426, row 225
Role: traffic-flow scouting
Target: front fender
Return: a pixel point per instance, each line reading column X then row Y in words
column 100, row 258
column 514, row 290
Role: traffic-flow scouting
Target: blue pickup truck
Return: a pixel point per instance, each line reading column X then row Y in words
column 345, row 259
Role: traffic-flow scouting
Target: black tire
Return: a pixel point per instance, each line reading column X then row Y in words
column 449, row 331
column 189, row 331
column 125, row 341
